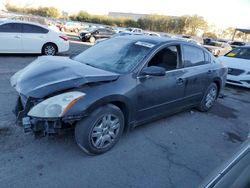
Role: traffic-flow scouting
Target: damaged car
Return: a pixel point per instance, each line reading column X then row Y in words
column 115, row 86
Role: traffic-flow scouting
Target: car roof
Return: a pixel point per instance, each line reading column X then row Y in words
column 245, row 46
column 154, row 39
column 23, row 22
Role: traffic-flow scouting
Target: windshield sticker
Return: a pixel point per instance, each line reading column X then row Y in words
column 231, row 54
column 145, row 44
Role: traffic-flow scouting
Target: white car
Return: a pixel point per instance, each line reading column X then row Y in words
column 134, row 30
column 238, row 63
column 26, row 37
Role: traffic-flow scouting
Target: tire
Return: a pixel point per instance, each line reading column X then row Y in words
column 209, row 98
column 92, row 39
column 49, row 49
column 101, row 130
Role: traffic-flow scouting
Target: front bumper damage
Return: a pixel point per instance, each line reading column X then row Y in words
column 39, row 126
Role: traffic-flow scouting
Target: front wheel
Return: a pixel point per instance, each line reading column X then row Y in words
column 209, row 98
column 101, row 130
column 92, row 39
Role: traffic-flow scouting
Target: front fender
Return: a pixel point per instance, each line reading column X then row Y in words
column 85, row 106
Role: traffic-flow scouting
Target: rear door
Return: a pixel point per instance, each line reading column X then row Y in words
column 33, row 38
column 10, row 37
column 198, row 71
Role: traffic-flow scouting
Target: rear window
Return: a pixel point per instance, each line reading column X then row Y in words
column 28, row 28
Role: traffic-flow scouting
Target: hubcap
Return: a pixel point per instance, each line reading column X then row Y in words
column 211, row 96
column 50, row 50
column 105, row 131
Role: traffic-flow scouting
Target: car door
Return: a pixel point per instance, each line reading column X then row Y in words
column 103, row 33
column 198, row 70
column 158, row 95
column 10, row 37
column 109, row 33
column 33, row 38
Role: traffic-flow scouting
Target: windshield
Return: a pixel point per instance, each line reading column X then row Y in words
column 243, row 53
column 118, row 55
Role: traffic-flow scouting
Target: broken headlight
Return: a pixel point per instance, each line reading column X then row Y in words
column 56, row 106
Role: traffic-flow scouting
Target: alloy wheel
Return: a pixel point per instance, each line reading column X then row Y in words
column 105, row 131
column 211, row 97
column 50, row 50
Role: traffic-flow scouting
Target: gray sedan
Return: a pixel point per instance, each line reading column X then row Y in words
column 114, row 86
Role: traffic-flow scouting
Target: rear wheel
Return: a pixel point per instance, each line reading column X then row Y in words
column 49, row 49
column 100, row 131
column 209, row 98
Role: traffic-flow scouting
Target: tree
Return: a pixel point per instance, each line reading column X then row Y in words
column 40, row 11
column 194, row 23
column 210, row 35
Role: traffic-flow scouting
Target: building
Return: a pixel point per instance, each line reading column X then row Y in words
column 132, row 16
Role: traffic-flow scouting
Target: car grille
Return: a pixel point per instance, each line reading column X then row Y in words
column 235, row 72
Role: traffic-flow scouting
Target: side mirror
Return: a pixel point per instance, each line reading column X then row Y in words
column 153, row 71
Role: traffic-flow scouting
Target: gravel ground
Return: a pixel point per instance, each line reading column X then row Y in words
column 178, row 151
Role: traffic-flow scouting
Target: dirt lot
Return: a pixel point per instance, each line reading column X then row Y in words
column 178, row 151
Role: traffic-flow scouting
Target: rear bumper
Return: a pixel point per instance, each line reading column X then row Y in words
column 63, row 46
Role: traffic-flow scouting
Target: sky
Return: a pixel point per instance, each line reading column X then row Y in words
column 222, row 13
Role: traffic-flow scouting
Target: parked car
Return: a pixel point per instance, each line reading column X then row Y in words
column 119, row 29
column 235, row 44
column 71, row 27
column 91, row 34
column 194, row 39
column 218, row 48
column 134, row 29
column 126, row 33
column 238, row 63
column 104, row 92
column 26, row 37
column 149, row 33
column 234, row 173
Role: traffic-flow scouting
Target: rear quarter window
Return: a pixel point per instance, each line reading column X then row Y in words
column 207, row 57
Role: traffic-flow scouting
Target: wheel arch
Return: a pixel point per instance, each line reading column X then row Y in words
column 121, row 102
column 218, row 83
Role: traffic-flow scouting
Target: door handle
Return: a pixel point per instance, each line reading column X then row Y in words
column 180, row 81
column 210, row 71
column 17, row 37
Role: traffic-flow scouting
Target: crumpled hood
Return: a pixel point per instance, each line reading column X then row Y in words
column 47, row 75
column 236, row 63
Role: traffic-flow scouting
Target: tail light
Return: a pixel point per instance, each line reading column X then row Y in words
column 64, row 38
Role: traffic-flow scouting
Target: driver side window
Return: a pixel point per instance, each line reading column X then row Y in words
column 167, row 58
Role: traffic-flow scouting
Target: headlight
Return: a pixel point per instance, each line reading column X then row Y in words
column 56, row 106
